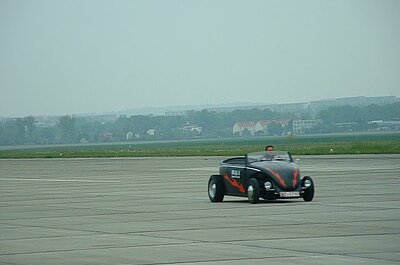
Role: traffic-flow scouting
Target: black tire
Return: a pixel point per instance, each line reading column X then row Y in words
column 216, row 190
column 308, row 194
column 253, row 191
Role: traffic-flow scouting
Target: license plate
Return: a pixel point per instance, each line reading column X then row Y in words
column 289, row 194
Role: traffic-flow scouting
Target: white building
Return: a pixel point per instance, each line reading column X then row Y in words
column 301, row 126
column 262, row 126
column 151, row 132
column 192, row 128
column 254, row 127
column 240, row 127
column 129, row 135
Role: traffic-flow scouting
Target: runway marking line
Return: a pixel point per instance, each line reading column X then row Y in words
column 189, row 169
column 57, row 180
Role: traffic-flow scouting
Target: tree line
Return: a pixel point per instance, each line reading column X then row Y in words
column 74, row 129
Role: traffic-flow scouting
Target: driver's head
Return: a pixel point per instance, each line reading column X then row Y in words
column 269, row 148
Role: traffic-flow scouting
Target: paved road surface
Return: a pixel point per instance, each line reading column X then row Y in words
column 156, row 211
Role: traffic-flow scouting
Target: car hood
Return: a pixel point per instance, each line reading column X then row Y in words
column 285, row 174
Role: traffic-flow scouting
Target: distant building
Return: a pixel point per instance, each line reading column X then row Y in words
column 262, row 126
column 178, row 113
column 245, row 127
column 192, row 128
column 129, row 135
column 317, row 106
column 253, row 127
column 151, row 132
column 299, row 108
column 312, row 108
column 386, row 125
column 302, row 126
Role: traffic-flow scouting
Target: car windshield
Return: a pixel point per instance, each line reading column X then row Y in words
column 268, row 156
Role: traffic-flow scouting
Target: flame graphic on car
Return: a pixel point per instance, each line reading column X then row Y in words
column 235, row 183
column 295, row 176
column 276, row 174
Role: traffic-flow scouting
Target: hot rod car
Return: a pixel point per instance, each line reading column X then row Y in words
column 260, row 175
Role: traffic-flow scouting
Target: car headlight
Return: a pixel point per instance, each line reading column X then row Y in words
column 267, row 185
column 307, row 183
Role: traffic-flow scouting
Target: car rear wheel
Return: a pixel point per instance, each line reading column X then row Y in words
column 216, row 188
column 253, row 191
column 308, row 194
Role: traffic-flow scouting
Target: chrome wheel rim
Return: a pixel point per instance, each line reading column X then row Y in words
column 212, row 189
column 250, row 191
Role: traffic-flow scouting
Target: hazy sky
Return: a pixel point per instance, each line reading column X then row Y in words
column 74, row 56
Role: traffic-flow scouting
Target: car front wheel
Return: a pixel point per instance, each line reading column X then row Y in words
column 216, row 188
column 253, row 191
column 308, row 194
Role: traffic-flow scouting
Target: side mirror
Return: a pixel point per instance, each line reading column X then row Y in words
column 297, row 160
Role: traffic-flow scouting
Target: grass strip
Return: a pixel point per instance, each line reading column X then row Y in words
column 318, row 145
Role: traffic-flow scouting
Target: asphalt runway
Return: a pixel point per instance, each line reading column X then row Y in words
column 156, row 211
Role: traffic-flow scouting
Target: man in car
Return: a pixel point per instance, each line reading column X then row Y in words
column 269, row 148
column 269, row 152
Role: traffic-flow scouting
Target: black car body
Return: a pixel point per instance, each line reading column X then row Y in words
column 260, row 175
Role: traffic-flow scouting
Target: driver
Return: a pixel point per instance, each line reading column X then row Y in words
column 269, row 148
column 269, row 155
